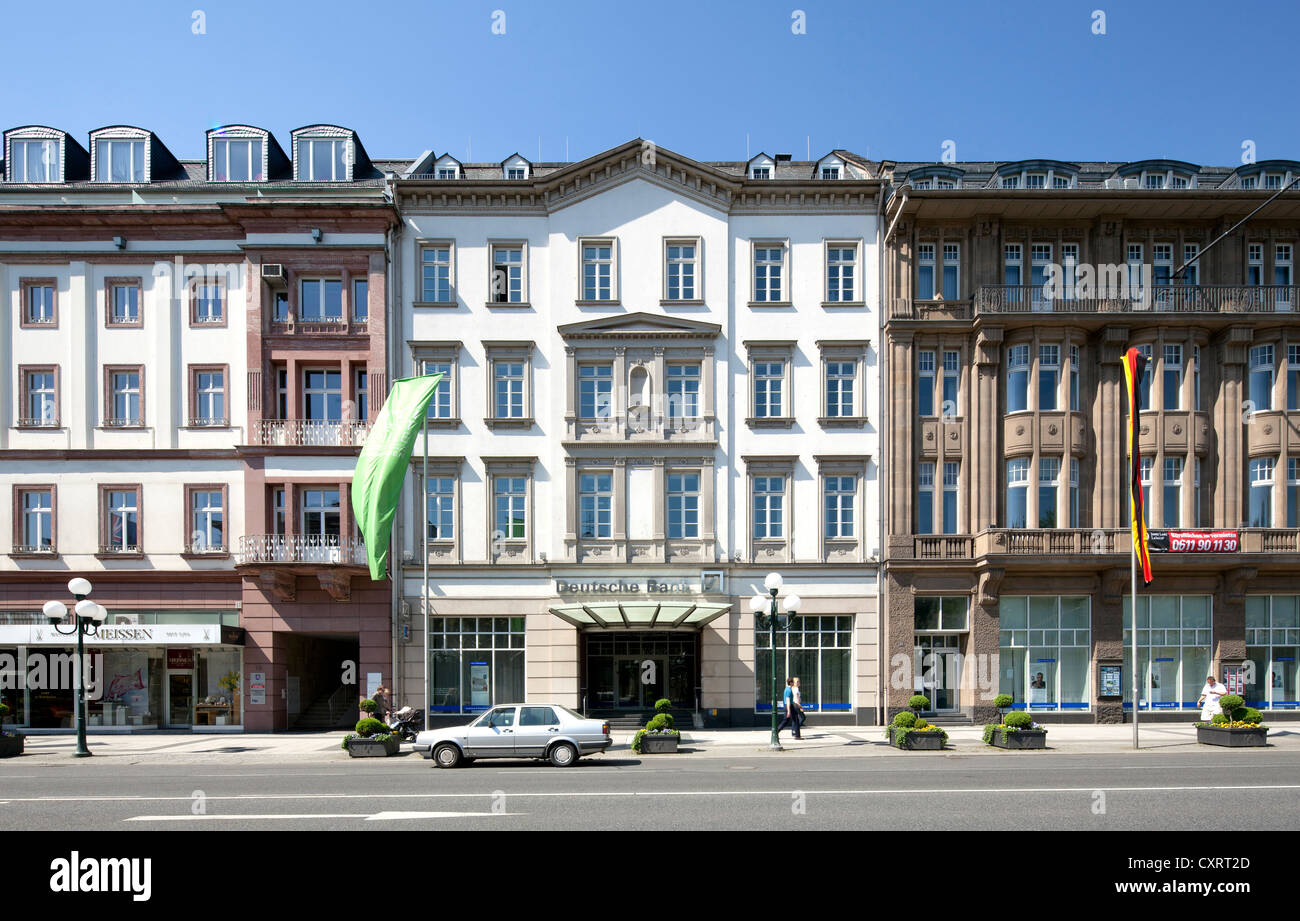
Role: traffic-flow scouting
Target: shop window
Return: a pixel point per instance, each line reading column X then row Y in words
column 1045, row 647
column 475, row 662
column 1174, row 650
column 818, row 650
column 1272, row 680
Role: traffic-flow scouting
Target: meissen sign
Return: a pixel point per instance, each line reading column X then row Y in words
column 124, row 635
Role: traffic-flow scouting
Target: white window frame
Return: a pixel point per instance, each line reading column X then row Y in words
column 423, row 247
column 835, row 271
column 441, row 353
column 696, row 263
column 513, row 352
column 762, row 353
column 495, row 246
column 611, row 262
column 782, row 267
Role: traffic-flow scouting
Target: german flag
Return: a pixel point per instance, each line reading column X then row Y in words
column 1135, row 364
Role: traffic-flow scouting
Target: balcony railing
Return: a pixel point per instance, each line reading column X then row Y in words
column 303, row 433
column 42, row 423
column 299, row 548
column 329, row 326
column 1047, row 543
column 1012, row 299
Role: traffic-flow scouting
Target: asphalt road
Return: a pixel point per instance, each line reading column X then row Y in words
column 1225, row 791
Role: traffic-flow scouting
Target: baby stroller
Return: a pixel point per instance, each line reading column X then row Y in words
column 406, row 722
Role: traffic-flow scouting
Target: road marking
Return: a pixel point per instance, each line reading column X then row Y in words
column 251, row 797
column 383, row 816
column 293, row 817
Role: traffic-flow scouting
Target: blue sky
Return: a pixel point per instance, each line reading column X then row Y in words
column 1191, row 80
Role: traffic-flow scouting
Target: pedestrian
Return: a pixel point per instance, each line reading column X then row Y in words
column 381, row 703
column 800, row 714
column 1209, row 699
column 790, row 718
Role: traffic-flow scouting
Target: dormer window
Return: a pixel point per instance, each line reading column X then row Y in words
column 945, row 184
column 323, row 159
column 1250, row 182
column 120, row 160
column 1010, row 182
column 1272, row 180
column 922, row 184
column 237, row 160
column 761, row 172
column 447, row 172
column 1179, row 182
column 1035, row 180
column 1061, row 182
column 830, row 172
column 36, row 160
column 516, row 172
column 1153, row 180
column 514, row 167
column 446, row 167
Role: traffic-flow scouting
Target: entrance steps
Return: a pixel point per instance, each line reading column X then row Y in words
column 943, row 720
column 630, row 720
column 316, row 718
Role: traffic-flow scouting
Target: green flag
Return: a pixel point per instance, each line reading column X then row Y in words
column 377, row 481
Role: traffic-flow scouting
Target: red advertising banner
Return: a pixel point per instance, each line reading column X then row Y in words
column 180, row 658
column 1195, row 541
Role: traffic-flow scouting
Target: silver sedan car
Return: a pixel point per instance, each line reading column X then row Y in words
column 546, row 731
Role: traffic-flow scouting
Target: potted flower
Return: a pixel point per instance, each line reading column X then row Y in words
column 910, row 732
column 11, row 743
column 373, row 739
column 658, row 737
column 1016, row 730
column 1237, row 726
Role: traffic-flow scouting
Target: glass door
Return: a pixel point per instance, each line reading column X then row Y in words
column 937, row 670
column 180, row 699
column 641, row 681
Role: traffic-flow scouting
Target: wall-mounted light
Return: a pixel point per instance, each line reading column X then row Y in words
column 315, row 234
column 119, row 242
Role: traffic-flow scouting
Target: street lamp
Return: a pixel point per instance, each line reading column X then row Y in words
column 766, row 617
column 88, row 617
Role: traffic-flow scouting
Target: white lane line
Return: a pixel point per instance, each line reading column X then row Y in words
column 625, row 793
column 293, row 817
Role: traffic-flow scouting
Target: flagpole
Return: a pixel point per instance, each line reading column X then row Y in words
column 424, row 554
column 1133, row 623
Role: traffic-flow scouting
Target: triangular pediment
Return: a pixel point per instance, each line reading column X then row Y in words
column 639, row 159
column 640, row 326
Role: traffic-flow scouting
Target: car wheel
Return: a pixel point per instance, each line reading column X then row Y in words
column 446, row 755
column 562, row 755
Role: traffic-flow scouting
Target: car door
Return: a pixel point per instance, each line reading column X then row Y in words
column 493, row 735
column 537, row 726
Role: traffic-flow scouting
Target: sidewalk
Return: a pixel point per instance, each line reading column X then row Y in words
column 848, row 742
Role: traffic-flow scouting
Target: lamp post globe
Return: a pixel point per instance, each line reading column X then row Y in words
column 773, row 582
column 88, row 616
column 55, row 610
column 79, row 588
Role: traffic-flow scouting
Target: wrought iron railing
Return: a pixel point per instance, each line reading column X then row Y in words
column 1011, row 299
column 324, row 550
column 309, row 433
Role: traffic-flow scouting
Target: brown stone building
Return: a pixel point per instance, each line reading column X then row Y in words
column 1007, row 306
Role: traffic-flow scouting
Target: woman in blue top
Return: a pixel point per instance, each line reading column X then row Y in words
column 791, row 713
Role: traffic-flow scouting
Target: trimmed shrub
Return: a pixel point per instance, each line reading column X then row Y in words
column 663, row 705
column 905, row 719
column 1003, row 701
column 1230, row 702
column 920, row 724
column 369, row 706
column 918, row 702
column 1219, row 719
column 1248, row 715
column 370, row 726
column 659, row 721
column 4, row 710
column 1019, row 720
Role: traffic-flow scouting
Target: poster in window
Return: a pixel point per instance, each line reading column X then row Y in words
column 479, row 693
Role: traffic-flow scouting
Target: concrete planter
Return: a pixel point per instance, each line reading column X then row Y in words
column 11, row 746
column 1020, row 739
column 659, row 745
column 373, row 748
column 1232, row 738
column 920, row 741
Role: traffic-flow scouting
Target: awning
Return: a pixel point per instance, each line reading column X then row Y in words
column 635, row 615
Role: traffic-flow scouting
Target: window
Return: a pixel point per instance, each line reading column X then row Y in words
column 35, row 161
column 123, row 302
column 1179, row 182
column 510, row 398
column 236, row 160
column 769, row 382
column 951, row 475
column 925, row 272
column 1192, row 272
column 1261, row 492
column 769, row 273
column 1017, row 493
column 121, row 511
column 595, row 505
column 507, row 283
column 925, row 498
column 1282, row 275
column 322, row 300
column 360, row 299
column 1196, row 377
column 125, row 396
column 840, row 378
column 947, row 615
column 207, row 520
column 1198, row 496
column 1012, row 264
column 839, row 495
column 510, row 507
column 1040, row 258
column 1173, row 481
column 361, row 388
column 39, row 305
column 508, row 385
column 1162, row 268
column 36, row 524
column 448, row 172
column 1135, row 264
column 830, row 172
column 277, row 511
column 1148, row 374
column 1173, row 377
column 323, row 159
column 40, row 406
column 841, row 273
column 1153, row 180
column 1074, row 493
column 1045, row 646
column 951, row 271
column 819, row 650
column 516, row 172
column 436, row 274
column 1272, row 647
column 440, row 508
column 207, row 300
column 595, row 391
column 1017, row 378
column 119, row 160
column 598, row 270
column 1174, row 655
column 683, row 505
column 1060, row 182
column 925, row 383
column 1250, row 182
column 680, row 270
column 1049, row 376
column 1035, row 180
column 1273, row 181
column 209, row 389
column 1074, row 378
column 683, row 391
column 322, row 395
column 1254, row 263
column 769, row 511
column 1293, row 492
column 1010, row 182
column 321, row 516
column 1261, row 377
column 281, row 392
column 1292, row 377
column 1049, row 471
column 951, row 382
column 280, row 308
column 475, row 662
column 760, row 172
column 1144, row 475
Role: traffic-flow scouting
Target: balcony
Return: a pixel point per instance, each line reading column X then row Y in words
column 1048, row 543
column 305, row 433
column 1180, row 299
column 277, row 560
column 319, row 326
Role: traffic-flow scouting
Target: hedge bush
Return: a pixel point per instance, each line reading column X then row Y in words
column 1219, row 719
column 1019, row 720
column 663, row 705
column 918, row 702
column 1230, row 702
column 905, row 719
column 1003, row 701
column 659, row 721
column 369, row 706
column 370, row 726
